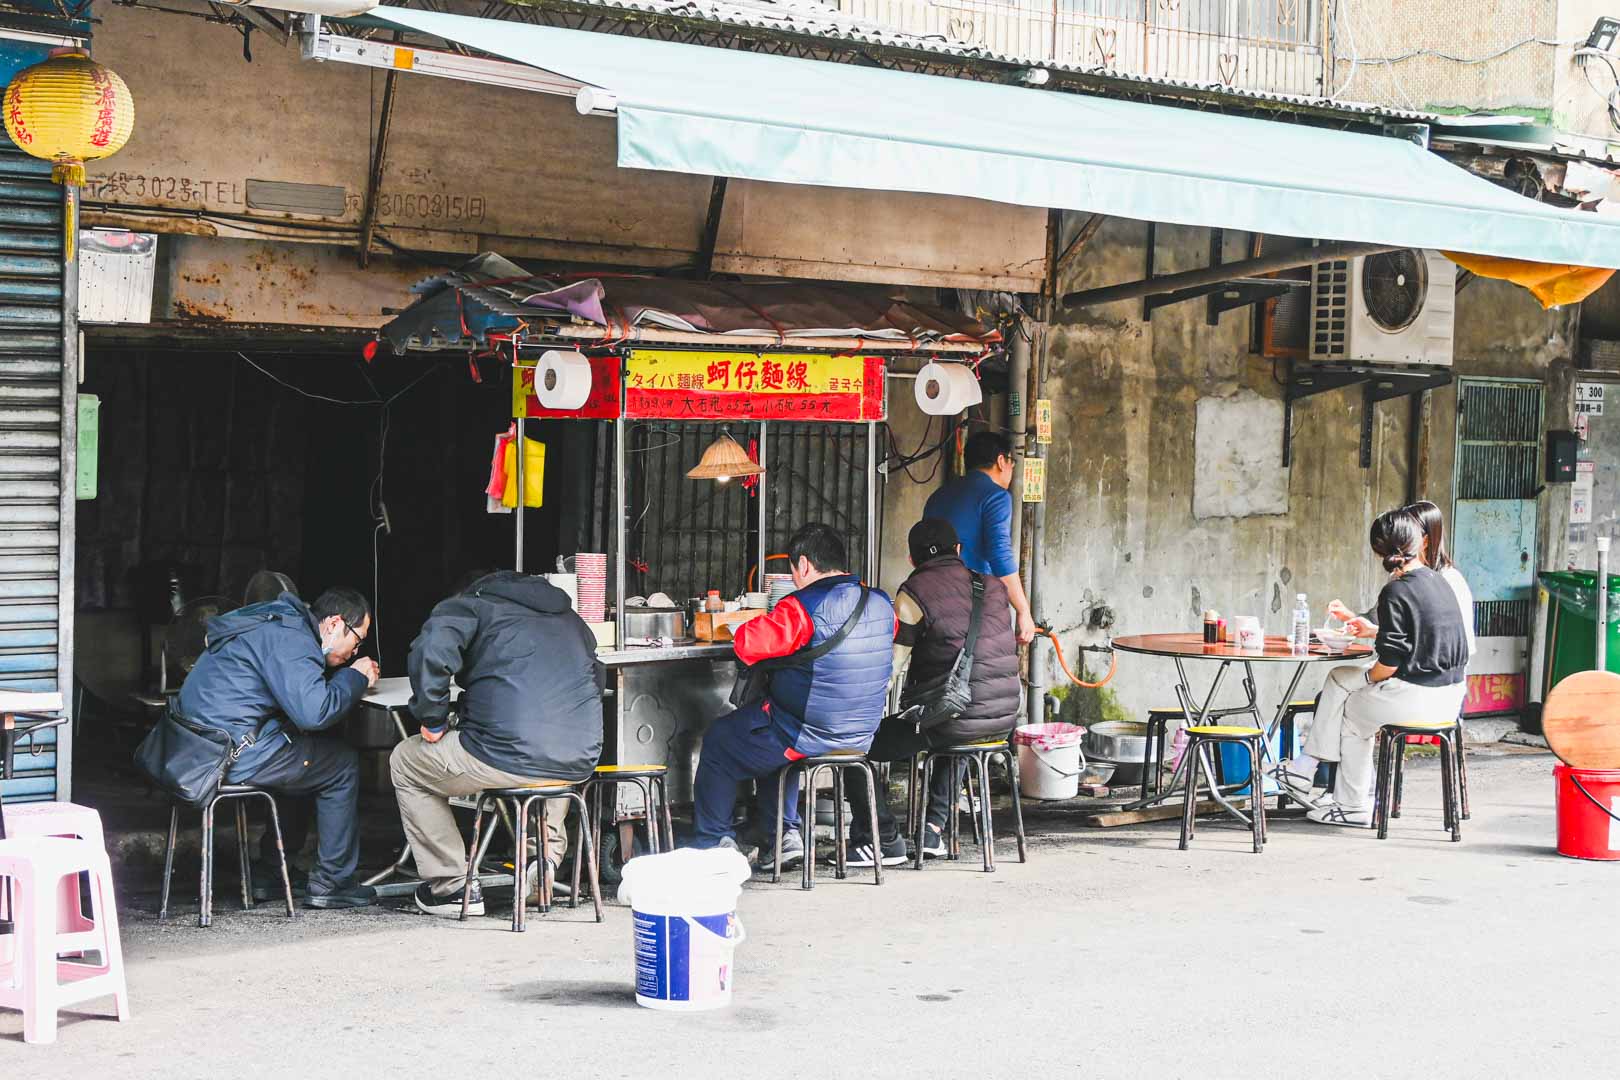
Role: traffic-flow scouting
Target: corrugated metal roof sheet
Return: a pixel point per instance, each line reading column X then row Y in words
column 818, row 20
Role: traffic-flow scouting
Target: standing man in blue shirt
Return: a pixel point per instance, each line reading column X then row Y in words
column 980, row 508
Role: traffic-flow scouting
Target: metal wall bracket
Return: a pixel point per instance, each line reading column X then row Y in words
column 1377, row 383
column 1412, row 133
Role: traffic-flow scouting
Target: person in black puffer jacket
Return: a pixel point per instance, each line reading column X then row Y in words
column 934, row 607
column 530, row 711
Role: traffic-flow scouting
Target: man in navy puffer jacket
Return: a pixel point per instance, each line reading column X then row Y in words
column 833, row 702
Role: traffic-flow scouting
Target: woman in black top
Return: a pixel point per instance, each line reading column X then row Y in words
column 1419, row 675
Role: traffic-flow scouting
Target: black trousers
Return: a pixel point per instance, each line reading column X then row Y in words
column 898, row 740
column 326, row 770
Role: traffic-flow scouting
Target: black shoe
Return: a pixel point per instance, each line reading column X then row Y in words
column 448, row 907
column 934, row 843
column 267, row 882
column 862, row 856
column 343, row 896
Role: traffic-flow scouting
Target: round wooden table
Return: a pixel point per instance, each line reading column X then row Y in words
column 1184, row 647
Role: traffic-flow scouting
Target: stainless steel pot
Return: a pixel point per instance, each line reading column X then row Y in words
column 1116, row 740
column 651, row 622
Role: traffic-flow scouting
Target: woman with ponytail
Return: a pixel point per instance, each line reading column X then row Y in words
column 1419, row 674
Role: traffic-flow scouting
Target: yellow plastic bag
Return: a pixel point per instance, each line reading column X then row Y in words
column 534, row 473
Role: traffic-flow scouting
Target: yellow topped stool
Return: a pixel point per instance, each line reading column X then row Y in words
column 1200, row 738
column 650, row 781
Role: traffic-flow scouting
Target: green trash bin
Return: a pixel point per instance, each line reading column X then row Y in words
column 1571, row 644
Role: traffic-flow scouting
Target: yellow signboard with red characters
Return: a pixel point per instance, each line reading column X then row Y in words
column 671, row 385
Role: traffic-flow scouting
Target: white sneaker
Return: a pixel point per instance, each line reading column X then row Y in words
column 1334, row 814
column 1296, row 787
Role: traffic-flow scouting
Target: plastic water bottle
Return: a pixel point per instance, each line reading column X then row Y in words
column 1300, row 635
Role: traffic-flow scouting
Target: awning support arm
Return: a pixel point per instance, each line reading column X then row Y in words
column 711, row 228
column 1377, row 384
column 1218, row 275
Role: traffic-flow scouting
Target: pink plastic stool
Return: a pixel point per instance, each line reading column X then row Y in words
column 24, row 820
column 32, row 978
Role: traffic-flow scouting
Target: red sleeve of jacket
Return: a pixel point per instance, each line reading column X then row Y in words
column 786, row 630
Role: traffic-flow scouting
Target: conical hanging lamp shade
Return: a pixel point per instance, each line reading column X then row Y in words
column 723, row 460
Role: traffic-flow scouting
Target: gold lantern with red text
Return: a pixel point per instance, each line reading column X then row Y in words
column 67, row 109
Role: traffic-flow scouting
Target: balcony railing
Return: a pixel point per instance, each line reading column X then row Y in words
column 1272, row 46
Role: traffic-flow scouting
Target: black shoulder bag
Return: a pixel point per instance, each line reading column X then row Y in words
column 946, row 697
column 186, row 759
column 754, row 681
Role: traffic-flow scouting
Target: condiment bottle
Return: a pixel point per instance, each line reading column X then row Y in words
column 713, row 602
column 1212, row 627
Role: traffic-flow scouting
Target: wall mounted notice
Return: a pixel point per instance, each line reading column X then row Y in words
column 1043, row 420
column 1580, row 493
column 1034, row 479
column 1589, row 398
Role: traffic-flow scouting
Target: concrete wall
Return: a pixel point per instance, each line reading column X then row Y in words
column 1121, row 531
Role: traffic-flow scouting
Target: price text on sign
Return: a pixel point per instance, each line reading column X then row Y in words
column 1043, row 420
column 601, row 404
column 752, row 386
column 1034, row 480
column 1589, row 398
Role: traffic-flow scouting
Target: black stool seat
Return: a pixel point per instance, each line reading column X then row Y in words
column 523, row 800
column 1199, row 740
column 240, row 794
column 1391, row 771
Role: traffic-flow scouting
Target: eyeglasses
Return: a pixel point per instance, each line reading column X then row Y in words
column 359, row 638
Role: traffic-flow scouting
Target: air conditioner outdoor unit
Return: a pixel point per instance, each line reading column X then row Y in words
column 1395, row 308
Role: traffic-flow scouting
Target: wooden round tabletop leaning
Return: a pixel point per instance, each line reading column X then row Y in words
column 1581, row 720
column 1194, row 646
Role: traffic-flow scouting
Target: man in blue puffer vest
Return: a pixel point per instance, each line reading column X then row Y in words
column 833, row 702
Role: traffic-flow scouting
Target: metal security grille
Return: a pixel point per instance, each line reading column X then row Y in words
column 1499, row 435
column 1330, row 310
column 31, row 444
column 1494, row 522
column 817, row 473
column 693, row 535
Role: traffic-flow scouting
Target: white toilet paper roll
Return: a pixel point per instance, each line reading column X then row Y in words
column 947, row 389
column 562, row 380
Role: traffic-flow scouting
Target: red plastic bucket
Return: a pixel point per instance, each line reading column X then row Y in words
column 1588, row 812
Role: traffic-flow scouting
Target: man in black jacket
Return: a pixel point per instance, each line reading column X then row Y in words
column 530, row 711
column 934, row 607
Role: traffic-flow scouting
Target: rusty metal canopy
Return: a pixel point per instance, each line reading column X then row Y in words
column 491, row 296
column 719, row 112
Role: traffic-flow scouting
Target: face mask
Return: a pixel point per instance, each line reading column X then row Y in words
column 328, row 648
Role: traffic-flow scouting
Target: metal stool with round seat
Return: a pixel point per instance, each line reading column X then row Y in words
column 523, row 801
column 977, row 756
column 1158, row 727
column 1200, row 740
column 650, row 780
column 1390, row 769
column 808, row 769
column 239, row 794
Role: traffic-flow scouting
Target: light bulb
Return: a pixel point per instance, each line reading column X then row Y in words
column 721, row 479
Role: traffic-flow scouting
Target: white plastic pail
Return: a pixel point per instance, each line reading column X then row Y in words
column 1048, row 760
column 683, row 905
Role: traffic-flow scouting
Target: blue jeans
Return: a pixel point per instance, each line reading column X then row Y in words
column 326, row 768
column 741, row 745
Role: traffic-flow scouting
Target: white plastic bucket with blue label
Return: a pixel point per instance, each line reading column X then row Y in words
column 685, row 926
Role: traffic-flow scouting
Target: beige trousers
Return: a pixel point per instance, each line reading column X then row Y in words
column 425, row 776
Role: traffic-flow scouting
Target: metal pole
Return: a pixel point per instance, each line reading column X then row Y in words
column 1603, row 603
column 871, row 505
column 1215, row 275
column 522, row 492
column 760, row 492
column 621, row 530
column 1018, row 419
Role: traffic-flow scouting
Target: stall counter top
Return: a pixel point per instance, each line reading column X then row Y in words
column 653, row 654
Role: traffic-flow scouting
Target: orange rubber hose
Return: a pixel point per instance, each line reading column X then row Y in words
column 1113, row 665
